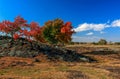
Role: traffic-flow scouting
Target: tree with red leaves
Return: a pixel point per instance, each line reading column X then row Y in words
column 54, row 32
column 34, row 32
column 5, row 26
column 12, row 27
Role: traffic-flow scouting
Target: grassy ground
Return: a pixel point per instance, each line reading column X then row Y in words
column 107, row 67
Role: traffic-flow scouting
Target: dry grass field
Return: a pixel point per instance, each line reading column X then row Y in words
column 106, row 67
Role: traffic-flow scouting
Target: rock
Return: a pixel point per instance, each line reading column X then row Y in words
column 26, row 49
column 84, row 59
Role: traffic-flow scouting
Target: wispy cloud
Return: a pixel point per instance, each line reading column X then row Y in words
column 85, row 39
column 90, row 33
column 97, row 27
column 94, row 27
column 93, row 38
column 102, row 32
column 116, row 23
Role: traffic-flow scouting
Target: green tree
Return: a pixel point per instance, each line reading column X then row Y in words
column 57, row 31
column 51, row 30
column 102, row 42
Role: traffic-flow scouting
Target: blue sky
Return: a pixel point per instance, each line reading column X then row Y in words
column 92, row 19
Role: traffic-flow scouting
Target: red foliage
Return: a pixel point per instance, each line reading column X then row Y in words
column 21, row 31
column 36, row 31
column 16, row 36
column 33, row 32
column 19, row 21
column 5, row 26
column 67, row 28
column 13, row 27
column 66, row 32
column 34, row 25
column 20, row 28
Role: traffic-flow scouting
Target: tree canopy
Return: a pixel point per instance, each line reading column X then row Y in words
column 53, row 31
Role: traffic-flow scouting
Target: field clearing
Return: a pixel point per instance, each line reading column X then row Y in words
column 91, row 45
column 106, row 67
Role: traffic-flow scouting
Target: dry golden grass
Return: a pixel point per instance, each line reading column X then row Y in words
column 107, row 67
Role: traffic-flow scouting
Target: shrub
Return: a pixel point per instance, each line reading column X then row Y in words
column 102, row 42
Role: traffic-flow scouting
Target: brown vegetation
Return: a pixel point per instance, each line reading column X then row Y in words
column 106, row 67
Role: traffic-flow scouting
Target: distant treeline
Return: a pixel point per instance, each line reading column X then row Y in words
column 100, row 42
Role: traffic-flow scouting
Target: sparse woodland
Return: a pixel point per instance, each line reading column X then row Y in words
column 31, row 51
column 53, row 32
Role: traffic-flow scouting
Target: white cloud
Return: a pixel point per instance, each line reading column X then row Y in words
column 116, row 23
column 97, row 27
column 90, row 33
column 94, row 27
